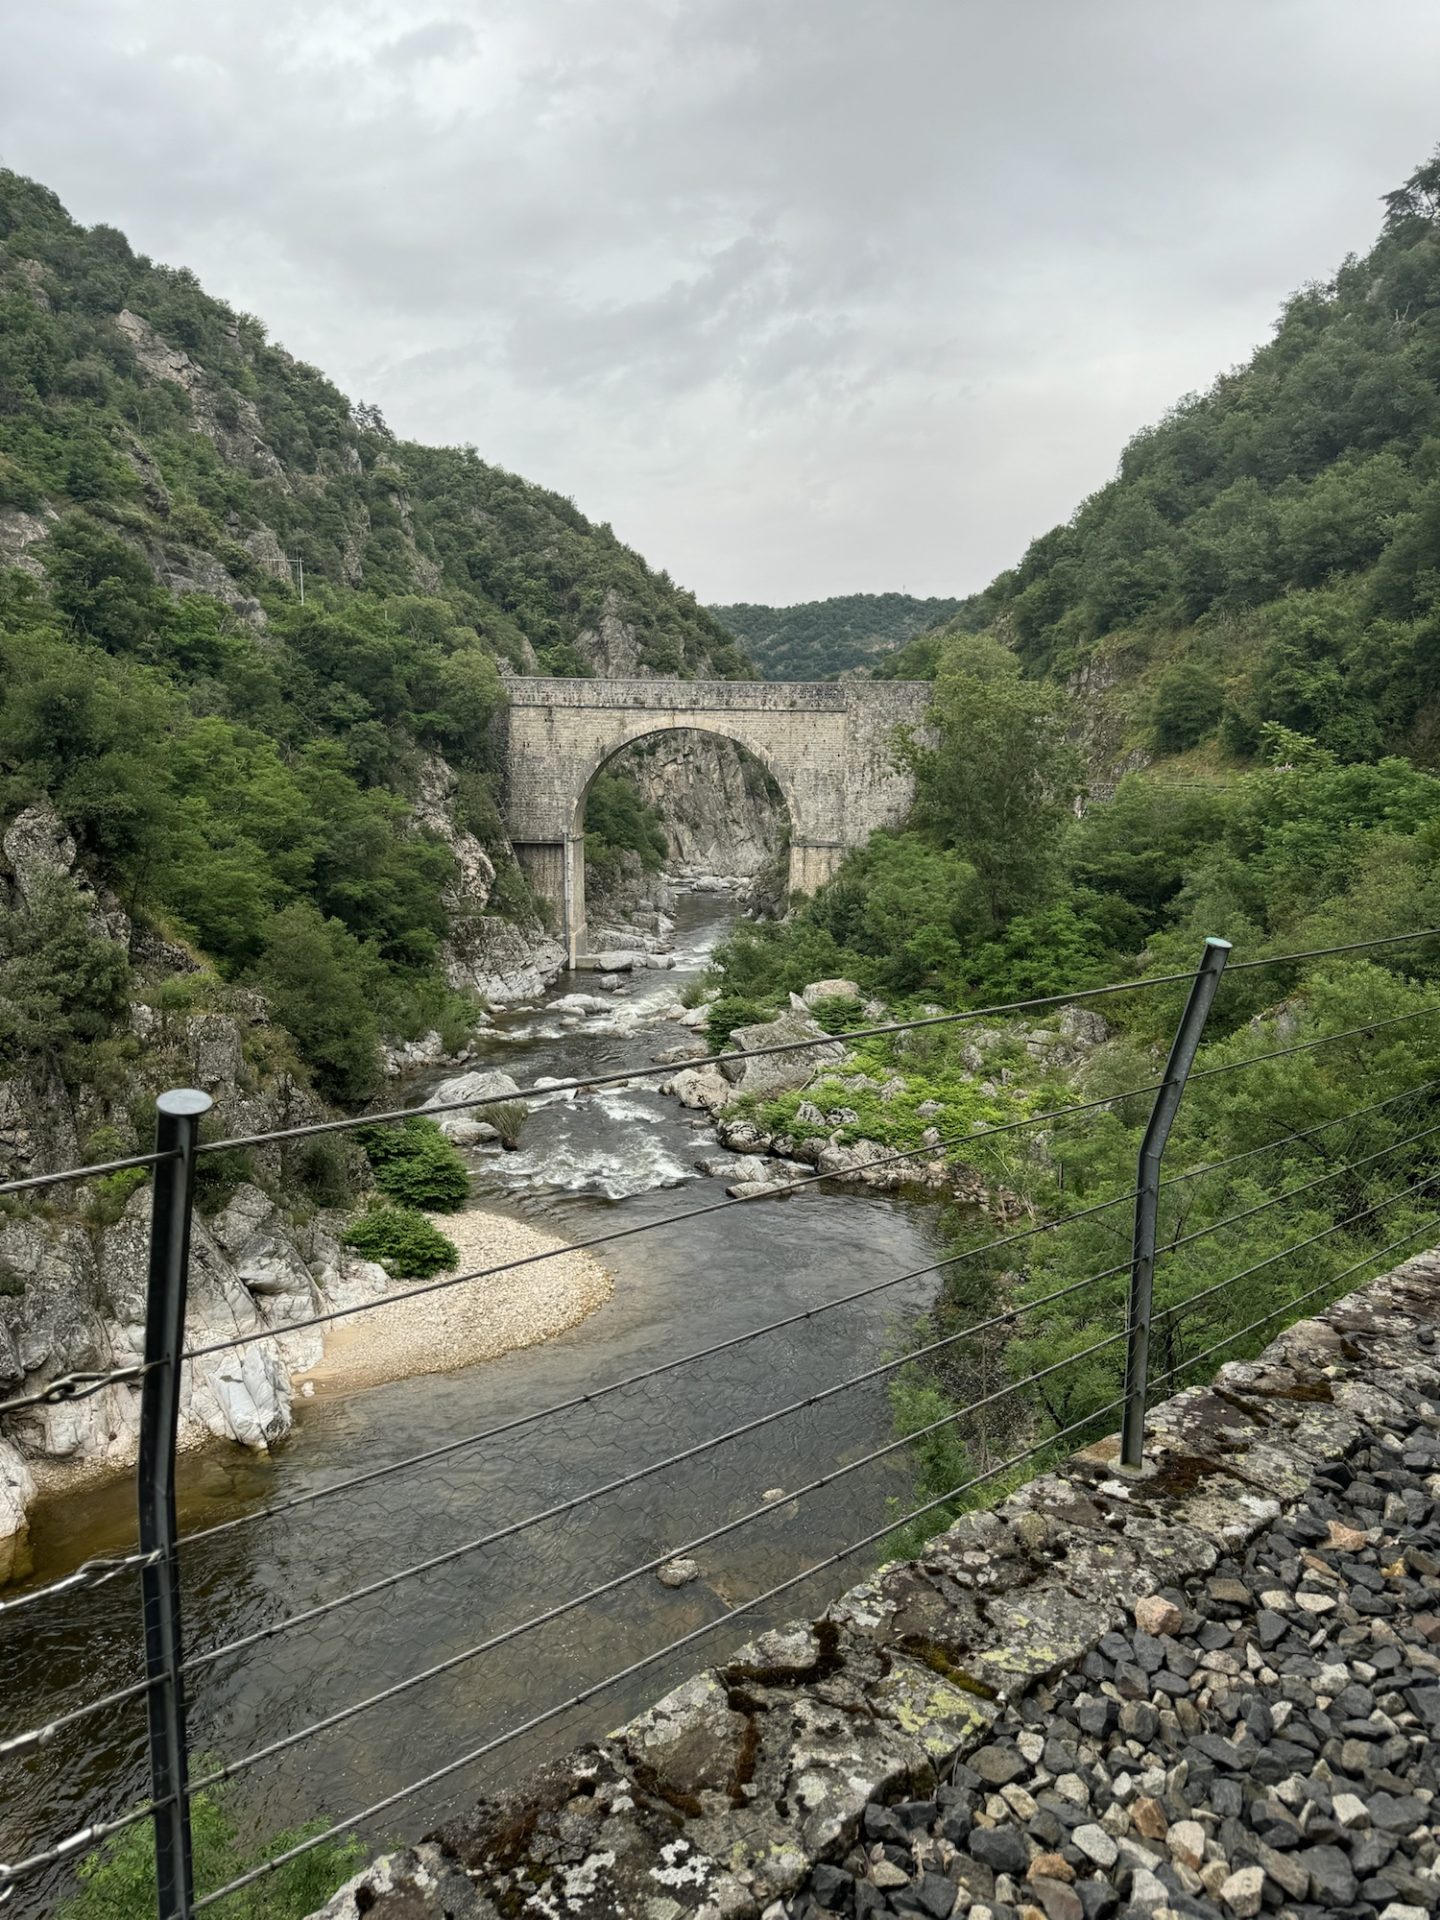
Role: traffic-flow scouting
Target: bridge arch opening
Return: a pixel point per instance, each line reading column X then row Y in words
column 723, row 808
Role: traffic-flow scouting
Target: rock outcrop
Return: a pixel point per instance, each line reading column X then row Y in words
column 501, row 960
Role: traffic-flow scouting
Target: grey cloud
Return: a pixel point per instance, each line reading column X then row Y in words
column 802, row 298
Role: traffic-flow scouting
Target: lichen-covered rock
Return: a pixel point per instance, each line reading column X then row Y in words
column 691, row 1742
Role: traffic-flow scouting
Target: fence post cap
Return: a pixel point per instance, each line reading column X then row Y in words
column 1214, row 940
column 183, row 1103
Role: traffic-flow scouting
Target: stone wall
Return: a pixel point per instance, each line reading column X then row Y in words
column 1001, row 1645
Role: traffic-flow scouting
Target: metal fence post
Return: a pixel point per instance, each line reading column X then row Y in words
column 1147, row 1195
column 177, row 1129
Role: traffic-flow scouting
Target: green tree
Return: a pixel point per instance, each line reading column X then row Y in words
column 103, row 587
column 999, row 783
column 61, row 984
column 320, row 983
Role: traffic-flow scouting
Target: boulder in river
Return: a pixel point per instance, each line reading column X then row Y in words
column 678, row 1573
column 463, row 1126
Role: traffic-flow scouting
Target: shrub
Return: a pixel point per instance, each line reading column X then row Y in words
column 508, row 1118
column 404, row 1242
column 416, row 1165
column 324, row 1167
column 112, row 1194
column 838, row 1013
column 731, row 1011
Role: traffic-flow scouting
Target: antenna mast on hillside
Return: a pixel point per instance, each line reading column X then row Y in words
column 297, row 569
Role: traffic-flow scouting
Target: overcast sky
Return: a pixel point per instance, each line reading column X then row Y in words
column 804, row 296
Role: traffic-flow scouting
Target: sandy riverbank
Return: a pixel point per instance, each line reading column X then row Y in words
column 474, row 1320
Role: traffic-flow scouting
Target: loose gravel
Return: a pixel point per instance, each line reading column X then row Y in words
column 474, row 1320
column 1264, row 1739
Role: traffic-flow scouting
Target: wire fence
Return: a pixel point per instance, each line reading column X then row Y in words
column 1087, row 1292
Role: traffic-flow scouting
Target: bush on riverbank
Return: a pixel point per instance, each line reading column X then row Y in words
column 404, row 1243
column 417, row 1166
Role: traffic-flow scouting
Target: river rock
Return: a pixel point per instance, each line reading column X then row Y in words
column 486, row 1085
column 17, row 1490
column 703, row 1087
column 724, row 1166
column 779, row 1072
column 678, row 1573
column 579, row 1003
column 677, row 1056
column 614, row 960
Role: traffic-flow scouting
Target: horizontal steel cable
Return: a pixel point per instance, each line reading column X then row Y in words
column 1309, row 1046
column 769, row 1191
column 650, row 1659
column 68, row 1174
column 794, row 1046
column 1324, row 953
column 1293, row 1193
column 91, row 1573
column 517, row 1421
column 753, row 1053
column 1182, row 1307
column 74, row 1386
column 562, row 1507
column 619, row 1580
column 80, row 1841
column 1290, row 1139
column 657, row 1070
column 66, row 1388
column 1380, row 1253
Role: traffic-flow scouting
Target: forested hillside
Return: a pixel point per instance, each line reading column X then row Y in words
column 242, row 764
column 1270, row 551
column 1256, row 600
column 821, row 638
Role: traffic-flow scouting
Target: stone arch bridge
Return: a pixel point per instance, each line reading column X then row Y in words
column 827, row 745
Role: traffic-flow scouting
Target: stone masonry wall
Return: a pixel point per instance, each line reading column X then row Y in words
column 728, row 1798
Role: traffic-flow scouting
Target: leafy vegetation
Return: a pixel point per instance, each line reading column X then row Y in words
column 618, row 821
column 819, row 639
column 403, row 1242
column 118, row 1881
column 240, row 764
column 415, row 1164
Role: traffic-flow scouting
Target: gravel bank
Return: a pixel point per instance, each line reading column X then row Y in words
column 475, row 1320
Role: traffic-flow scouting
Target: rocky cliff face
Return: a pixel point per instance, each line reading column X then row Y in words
column 723, row 814
column 500, row 958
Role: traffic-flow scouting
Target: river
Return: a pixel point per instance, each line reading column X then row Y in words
column 584, row 1166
